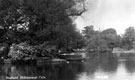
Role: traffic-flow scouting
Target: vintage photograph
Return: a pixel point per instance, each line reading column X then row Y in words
column 67, row 39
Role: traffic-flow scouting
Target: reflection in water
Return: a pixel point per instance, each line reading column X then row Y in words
column 100, row 67
column 109, row 68
column 105, row 62
column 61, row 71
column 130, row 65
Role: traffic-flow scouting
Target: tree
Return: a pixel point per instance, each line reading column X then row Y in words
column 128, row 38
column 89, row 31
column 39, row 21
column 96, row 43
column 111, row 37
column 94, row 39
column 101, row 40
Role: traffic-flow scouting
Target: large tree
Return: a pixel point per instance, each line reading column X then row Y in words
column 111, row 38
column 39, row 21
column 101, row 40
column 128, row 38
column 94, row 39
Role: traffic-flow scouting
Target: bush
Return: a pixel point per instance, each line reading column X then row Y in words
column 21, row 51
column 24, row 50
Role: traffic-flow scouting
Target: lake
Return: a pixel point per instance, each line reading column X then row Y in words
column 99, row 67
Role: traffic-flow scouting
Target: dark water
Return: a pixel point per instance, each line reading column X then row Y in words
column 101, row 67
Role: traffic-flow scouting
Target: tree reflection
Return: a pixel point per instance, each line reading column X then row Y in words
column 61, row 71
column 104, row 61
column 130, row 65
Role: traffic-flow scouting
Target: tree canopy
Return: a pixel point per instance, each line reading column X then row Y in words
column 128, row 38
column 41, row 21
column 101, row 40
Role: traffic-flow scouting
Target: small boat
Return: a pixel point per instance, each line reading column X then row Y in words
column 42, row 59
column 71, row 57
column 58, row 60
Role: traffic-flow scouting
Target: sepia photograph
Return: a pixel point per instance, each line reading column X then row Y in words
column 67, row 39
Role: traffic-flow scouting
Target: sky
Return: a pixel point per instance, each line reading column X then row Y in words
column 103, row 14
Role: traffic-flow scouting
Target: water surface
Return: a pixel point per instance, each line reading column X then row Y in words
column 99, row 67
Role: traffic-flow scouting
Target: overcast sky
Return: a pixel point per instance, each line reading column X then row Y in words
column 103, row 14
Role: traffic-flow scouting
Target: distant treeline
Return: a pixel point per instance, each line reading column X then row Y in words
column 108, row 39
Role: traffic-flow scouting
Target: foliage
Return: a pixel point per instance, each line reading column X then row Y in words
column 46, row 50
column 101, row 40
column 21, row 51
column 39, row 21
column 89, row 31
column 93, row 38
column 111, row 38
column 96, row 43
column 25, row 51
column 128, row 38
